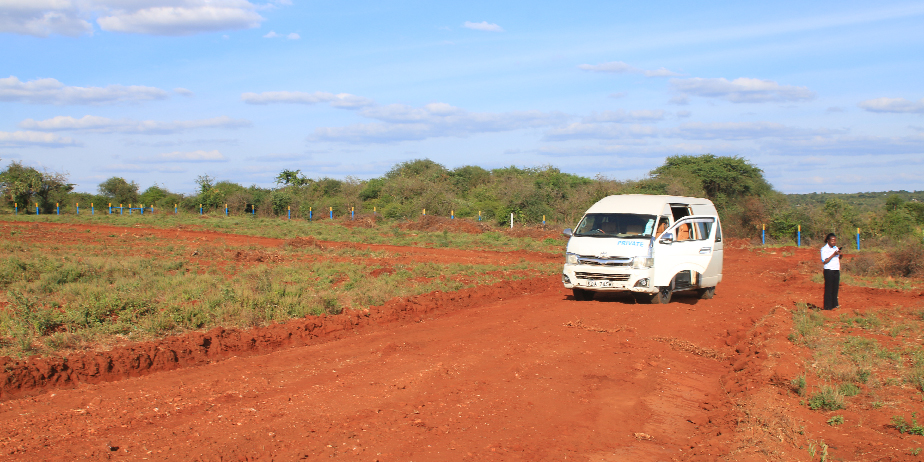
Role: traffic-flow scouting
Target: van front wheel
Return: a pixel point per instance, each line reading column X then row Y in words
column 582, row 295
column 663, row 297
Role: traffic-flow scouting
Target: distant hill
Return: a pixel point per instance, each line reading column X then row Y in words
column 862, row 202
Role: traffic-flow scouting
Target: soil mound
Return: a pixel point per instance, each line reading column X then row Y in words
column 432, row 223
column 303, row 242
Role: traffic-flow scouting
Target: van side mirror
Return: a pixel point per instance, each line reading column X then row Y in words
column 567, row 232
column 666, row 238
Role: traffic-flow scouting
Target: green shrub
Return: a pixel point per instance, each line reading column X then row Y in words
column 827, row 399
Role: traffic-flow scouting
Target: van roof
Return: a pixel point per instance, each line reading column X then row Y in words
column 641, row 203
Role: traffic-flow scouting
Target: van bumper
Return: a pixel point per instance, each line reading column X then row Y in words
column 602, row 279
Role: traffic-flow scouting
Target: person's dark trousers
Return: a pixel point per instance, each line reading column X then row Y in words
column 832, row 281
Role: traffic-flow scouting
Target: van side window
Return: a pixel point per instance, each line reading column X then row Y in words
column 718, row 232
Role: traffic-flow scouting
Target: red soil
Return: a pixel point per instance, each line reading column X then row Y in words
column 513, row 371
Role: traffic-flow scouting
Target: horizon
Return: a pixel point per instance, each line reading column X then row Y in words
column 823, row 97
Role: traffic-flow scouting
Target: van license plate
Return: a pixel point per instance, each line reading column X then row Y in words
column 599, row 284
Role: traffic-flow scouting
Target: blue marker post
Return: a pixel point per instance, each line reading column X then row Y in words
column 142, row 209
column 352, row 213
column 543, row 220
column 120, row 209
column 763, row 235
column 226, row 209
column 374, row 213
column 309, row 213
column 174, row 209
column 858, row 238
column 331, row 213
column 290, row 212
column 452, row 214
column 479, row 215
column 57, row 208
column 36, row 208
column 92, row 211
column 799, row 237
column 77, row 205
column 200, row 209
column 110, row 208
column 15, row 208
column 253, row 210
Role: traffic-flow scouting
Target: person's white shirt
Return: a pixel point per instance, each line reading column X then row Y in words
column 835, row 263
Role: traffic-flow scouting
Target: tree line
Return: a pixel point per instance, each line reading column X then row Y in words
column 745, row 200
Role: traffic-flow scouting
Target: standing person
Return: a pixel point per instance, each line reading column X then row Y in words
column 831, row 257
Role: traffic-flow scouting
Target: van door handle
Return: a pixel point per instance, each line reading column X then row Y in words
column 705, row 250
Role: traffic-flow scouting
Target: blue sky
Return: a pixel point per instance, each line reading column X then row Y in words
column 823, row 96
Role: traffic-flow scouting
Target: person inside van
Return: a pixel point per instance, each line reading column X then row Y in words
column 683, row 232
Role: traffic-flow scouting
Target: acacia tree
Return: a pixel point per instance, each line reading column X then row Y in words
column 26, row 185
column 119, row 190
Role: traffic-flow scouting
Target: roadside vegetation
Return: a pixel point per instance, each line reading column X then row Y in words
column 105, row 289
column 861, row 361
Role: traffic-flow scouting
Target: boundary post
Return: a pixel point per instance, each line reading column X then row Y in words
column 290, row 212
column 331, row 213
column 58, row 208
column 78, row 207
column 36, row 208
column 799, row 237
column 352, row 213
column 15, row 208
column 763, row 235
column 309, row 214
column 858, row 238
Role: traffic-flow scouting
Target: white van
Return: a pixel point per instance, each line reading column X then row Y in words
column 651, row 246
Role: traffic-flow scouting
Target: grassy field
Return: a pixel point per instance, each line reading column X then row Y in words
column 99, row 290
column 364, row 230
column 864, row 361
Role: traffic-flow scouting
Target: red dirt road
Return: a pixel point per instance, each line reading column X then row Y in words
column 517, row 371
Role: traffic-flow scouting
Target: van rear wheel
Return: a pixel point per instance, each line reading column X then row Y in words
column 663, row 297
column 583, row 295
column 707, row 293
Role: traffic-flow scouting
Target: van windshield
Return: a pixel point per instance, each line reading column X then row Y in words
column 627, row 225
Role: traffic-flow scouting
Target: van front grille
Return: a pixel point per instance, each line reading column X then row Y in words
column 602, row 277
column 595, row 261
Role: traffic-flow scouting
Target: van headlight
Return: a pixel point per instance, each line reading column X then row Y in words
column 571, row 258
column 642, row 262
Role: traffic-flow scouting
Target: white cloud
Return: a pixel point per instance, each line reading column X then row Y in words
column 483, row 25
column 895, row 105
column 402, row 123
column 622, row 116
column 106, row 125
column 30, row 138
column 744, row 131
column 51, row 91
column 141, row 168
column 184, row 17
column 183, row 91
column 683, row 114
column 156, row 17
column 340, row 100
column 42, row 18
column 179, row 156
column 584, row 131
column 741, row 90
column 619, row 67
column 291, row 36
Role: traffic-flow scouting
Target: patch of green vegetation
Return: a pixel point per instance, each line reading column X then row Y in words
column 827, row 399
column 54, row 300
column 806, row 323
column 836, row 420
column 904, row 426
